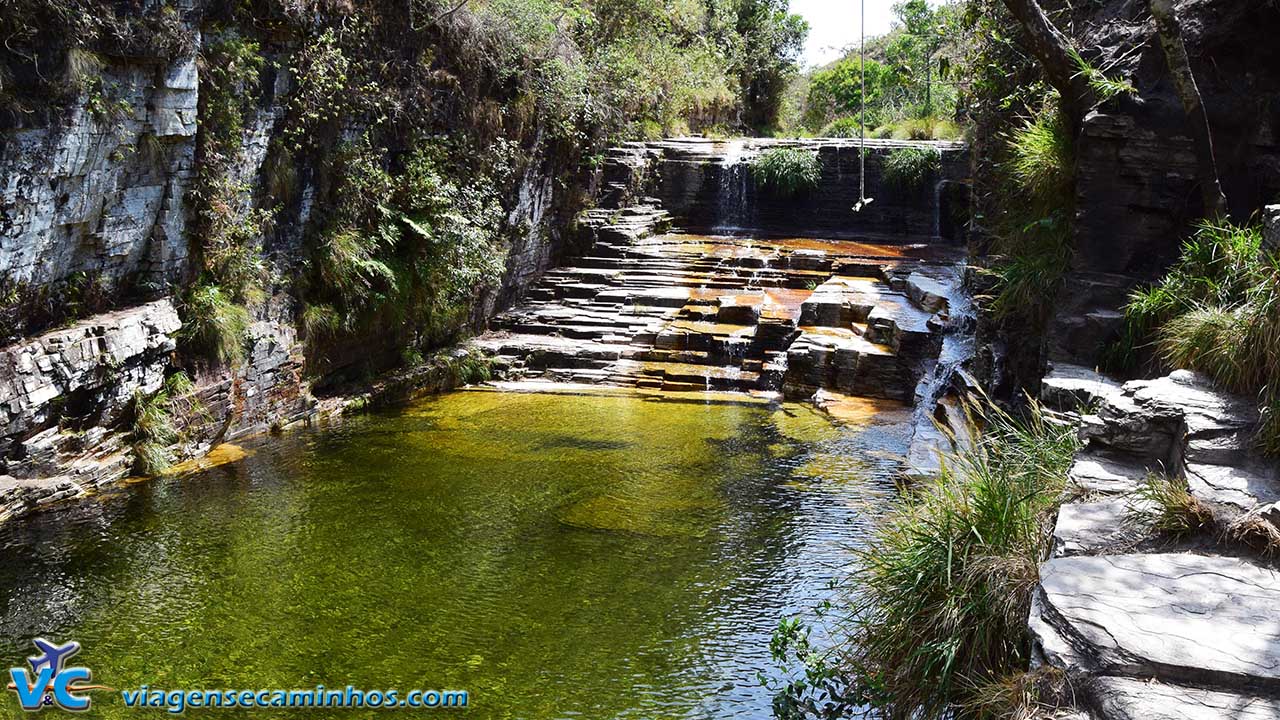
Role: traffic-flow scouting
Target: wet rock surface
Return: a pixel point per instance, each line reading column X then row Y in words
column 1147, row 627
column 692, row 312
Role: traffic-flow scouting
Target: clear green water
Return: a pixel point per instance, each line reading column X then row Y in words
column 555, row 555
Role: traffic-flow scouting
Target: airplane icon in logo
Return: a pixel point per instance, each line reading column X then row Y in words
column 54, row 655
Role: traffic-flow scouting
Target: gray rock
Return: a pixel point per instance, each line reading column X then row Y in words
column 102, row 361
column 1093, row 528
column 1129, row 699
column 1271, row 227
column 1177, row 617
column 1243, row 486
column 1073, row 387
column 1096, row 472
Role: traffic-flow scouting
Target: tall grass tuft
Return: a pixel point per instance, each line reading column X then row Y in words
column 1034, row 233
column 155, row 420
column 910, row 168
column 1217, row 311
column 787, row 171
column 1166, row 505
column 944, row 590
column 215, row 325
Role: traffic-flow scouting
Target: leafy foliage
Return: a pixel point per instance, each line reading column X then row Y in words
column 787, row 171
column 405, row 253
column 908, row 75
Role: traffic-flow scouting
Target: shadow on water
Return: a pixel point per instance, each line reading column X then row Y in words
column 555, row 555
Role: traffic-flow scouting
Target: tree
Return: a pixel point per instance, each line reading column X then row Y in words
column 1184, row 81
column 1056, row 57
column 837, row 91
column 772, row 39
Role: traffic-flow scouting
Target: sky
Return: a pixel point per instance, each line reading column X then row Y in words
column 833, row 25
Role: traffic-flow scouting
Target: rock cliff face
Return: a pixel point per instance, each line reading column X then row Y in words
column 1136, row 179
column 708, row 187
column 100, row 189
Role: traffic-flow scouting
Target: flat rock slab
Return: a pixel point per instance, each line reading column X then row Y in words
column 1093, row 528
column 1072, row 387
column 1128, row 699
column 1097, row 472
column 1179, row 618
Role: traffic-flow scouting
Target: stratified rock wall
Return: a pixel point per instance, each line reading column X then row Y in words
column 1137, row 191
column 708, row 186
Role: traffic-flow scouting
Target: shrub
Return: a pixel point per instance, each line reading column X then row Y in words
column 845, row 127
column 214, row 325
column 787, row 171
column 943, row 591
column 910, row 168
column 1216, row 311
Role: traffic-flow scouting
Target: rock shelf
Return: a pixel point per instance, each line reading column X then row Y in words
column 692, row 312
column 1148, row 626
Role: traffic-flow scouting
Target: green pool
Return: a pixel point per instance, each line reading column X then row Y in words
column 556, row 555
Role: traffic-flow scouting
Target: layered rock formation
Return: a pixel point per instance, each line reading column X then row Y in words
column 1136, row 175
column 1148, row 625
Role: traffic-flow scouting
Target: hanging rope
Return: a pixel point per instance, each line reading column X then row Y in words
column 863, row 200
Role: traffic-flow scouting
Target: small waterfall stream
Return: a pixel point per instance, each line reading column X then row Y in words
column 734, row 174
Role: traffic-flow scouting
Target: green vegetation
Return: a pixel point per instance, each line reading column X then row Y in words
column 911, row 168
column 404, row 253
column 908, row 81
column 1216, row 311
column 159, row 420
column 787, row 171
column 1104, row 88
column 213, row 325
column 1033, row 228
column 942, row 594
column 1164, row 504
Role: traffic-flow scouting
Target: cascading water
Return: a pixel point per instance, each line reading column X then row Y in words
column 732, row 211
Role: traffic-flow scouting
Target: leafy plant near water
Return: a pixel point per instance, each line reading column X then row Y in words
column 941, row 598
column 787, row 171
column 1216, row 311
column 911, row 168
column 156, row 422
column 406, row 252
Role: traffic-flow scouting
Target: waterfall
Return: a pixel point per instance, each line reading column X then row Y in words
column 732, row 213
column 937, row 208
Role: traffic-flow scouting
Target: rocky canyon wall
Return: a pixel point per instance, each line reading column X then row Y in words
column 99, row 196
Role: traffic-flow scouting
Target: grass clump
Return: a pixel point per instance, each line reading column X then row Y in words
column 1166, row 505
column 946, row 586
column 156, row 420
column 1217, row 311
column 214, row 325
column 1033, row 235
column 910, row 168
column 943, row 591
column 787, row 171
